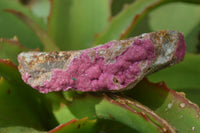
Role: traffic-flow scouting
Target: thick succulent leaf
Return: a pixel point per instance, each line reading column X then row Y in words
column 129, row 113
column 184, row 17
column 170, row 105
column 60, row 108
column 48, row 43
column 18, row 129
column 149, row 120
column 33, row 110
column 183, row 75
column 10, row 48
column 76, row 126
column 94, row 126
column 10, row 26
column 123, row 23
column 73, row 23
column 15, row 109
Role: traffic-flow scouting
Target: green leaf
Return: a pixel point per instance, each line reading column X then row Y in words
column 15, row 110
column 74, row 23
column 184, row 17
column 147, row 120
column 59, row 108
column 10, row 48
column 42, row 35
column 124, row 23
column 18, row 129
column 125, row 19
column 10, row 26
column 24, row 105
column 129, row 113
column 86, row 126
column 76, row 126
column 183, row 75
column 170, row 105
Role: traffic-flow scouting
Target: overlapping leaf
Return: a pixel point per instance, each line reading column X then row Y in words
column 10, row 26
column 93, row 126
column 170, row 105
column 12, row 101
column 20, row 104
column 48, row 43
column 123, row 23
column 76, row 126
column 135, row 115
column 74, row 23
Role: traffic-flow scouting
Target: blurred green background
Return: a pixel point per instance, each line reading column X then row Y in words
column 180, row 16
column 48, row 25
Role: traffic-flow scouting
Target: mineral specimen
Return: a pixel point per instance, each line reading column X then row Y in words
column 114, row 66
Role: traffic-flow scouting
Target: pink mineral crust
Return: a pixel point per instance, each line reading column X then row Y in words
column 86, row 74
column 181, row 48
column 25, row 77
column 114, row 66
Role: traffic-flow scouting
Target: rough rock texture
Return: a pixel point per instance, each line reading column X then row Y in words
column 114, row 66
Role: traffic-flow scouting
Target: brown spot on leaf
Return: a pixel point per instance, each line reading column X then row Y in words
column 8, row 91
column 111, row 116
column 62, row 105
column 79, row 125
column 25, row 2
